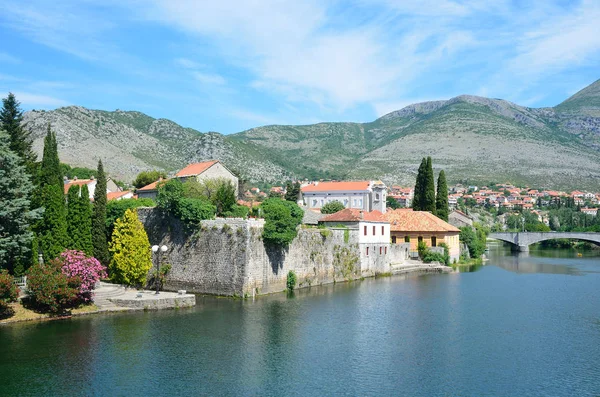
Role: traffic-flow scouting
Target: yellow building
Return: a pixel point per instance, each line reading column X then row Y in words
column 408, row 226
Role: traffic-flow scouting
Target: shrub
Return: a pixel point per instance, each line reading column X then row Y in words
column 190, row 210
column 332, row 207
column 130, row 249
column 86, row 268
column 49, row 289
column 291, row 281
column 422, row 248
column 8, row 293
column 115, row 209
column 238, row 211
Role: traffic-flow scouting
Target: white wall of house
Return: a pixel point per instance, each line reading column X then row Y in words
column 350, row 199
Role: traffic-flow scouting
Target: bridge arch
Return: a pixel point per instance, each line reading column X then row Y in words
column 522, row 240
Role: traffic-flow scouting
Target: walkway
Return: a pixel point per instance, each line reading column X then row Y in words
column 114, row 297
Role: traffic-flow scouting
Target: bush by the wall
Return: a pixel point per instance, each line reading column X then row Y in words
column 191, row 211
column 50, row 290
column 291, row 281
column 281, row 221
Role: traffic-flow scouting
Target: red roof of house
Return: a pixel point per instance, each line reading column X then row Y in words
column 336, row 186
column 196, row 168
column 407, row 220
column 77, row 182
column 354, row 215
column 116, row 195
column 152, row 186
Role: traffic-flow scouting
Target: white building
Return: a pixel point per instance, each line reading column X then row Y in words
column 364, row 195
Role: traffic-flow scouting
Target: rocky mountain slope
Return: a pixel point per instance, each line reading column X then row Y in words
column 472, row 138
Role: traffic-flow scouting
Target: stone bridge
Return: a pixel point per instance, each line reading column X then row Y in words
column 522, row 240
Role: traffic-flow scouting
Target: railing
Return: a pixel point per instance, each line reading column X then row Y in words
column 21, row 282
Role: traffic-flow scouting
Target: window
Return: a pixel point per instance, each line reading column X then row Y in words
column 385, row 250
column 376, row 196
column 360, row 203
column 365, row 230
column 434, row 241
column 382, row 230
column 314, row 202
column 407, row 239
column 367, row 251
column 380, row 250
column 373, row 230
column 393, row 239
column 420, row 239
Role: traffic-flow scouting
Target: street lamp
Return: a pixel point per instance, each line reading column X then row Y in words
column 163, row 249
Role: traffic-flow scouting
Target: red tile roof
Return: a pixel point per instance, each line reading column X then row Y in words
column 116, row 195
column 78, row 182
column 354, row 215
column 152, row 186
column 196, row 168
column 407, row 220
column 336, row 186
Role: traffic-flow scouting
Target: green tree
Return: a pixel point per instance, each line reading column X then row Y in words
column 147, row 177
column 392, row 203
column 99, row 236
column 441, row 198
column 292, row 191
column 79, row 219
column 21, row 142
column 76, row 172
column 281, row 221
column 429, row 197
column 224, row 198
column 332, row 207
column 15, row 213
column 419, row 194
column 171, row 199
column 50, row 171
column 130, row 250
column 52, row 230
column 115, row 209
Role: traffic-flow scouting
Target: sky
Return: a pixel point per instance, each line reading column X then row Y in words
column 229, row 65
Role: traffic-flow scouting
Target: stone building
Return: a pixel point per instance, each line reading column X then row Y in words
column 364, row 195
column 408, row 226
column 459, row 219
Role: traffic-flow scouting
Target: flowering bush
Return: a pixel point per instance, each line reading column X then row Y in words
column 49, row 289
column 88, row 269
column 8, row 293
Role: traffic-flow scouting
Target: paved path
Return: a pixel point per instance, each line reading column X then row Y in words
column 114, row 297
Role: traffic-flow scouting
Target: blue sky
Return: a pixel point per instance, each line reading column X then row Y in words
column 231, row 65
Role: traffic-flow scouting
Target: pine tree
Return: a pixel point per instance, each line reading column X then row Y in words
column 130, row 250
column 52, row 231
column 429, row 196
column 11, row 118
column 99, row 218
column 15, row 214
column 419, row 193
column 79, row 219
column 292, row 191
column 441, row 198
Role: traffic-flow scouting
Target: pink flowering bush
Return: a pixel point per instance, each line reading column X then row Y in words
column 86, row 268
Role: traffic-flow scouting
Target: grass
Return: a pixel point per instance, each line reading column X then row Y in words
column 24, row 314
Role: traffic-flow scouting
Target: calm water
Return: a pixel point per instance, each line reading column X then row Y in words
column 520, row 326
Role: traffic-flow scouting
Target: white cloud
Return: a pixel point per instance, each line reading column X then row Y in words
column 208, row 78
column 31, row 99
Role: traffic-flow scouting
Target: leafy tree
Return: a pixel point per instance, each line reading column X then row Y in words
column 224, row 198
column 419, row 194
column 130, row 249
column 99, row 235
column 291, row 281
column 15, row 214
column 147, row 177
column 474, row 239
column 79, row 219
column 76, row 172
column 392, row 203
column 115, row 209
column 332, row 207
column 52, row 230
column 429, row 197
column 281, row 221
column 191, row 211
column 441, row 198
column 21, row 142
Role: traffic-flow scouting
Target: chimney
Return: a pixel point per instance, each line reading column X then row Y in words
column 362, row 215
column 74, row 178
column 92, row 177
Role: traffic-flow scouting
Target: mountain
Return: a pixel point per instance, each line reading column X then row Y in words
column 472, row 138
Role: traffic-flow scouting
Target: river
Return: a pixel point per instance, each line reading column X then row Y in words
column 523, row 325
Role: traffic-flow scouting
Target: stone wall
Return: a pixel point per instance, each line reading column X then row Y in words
column 228, row 257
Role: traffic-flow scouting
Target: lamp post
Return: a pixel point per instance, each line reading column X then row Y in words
column 155, row 249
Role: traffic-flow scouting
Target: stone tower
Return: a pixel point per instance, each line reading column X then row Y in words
column 378, row 196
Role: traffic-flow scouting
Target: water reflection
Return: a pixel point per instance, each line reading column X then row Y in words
column 549, row 261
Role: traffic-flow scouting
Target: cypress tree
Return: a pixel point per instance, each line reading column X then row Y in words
column 429, row 191
column 50, row 172
column 15, row 214
column 99, row 238
column 419, row 194
column 79, row 219
column 52, row 231
column 441, row 198
column 21, row 142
